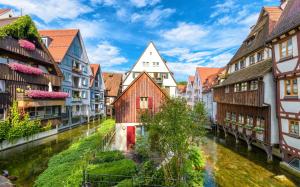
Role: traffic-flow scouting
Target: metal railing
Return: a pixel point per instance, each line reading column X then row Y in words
column 107, row 139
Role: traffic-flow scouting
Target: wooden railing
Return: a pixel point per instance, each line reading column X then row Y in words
column 8, row 74
column 4, row 99
column 12, row 45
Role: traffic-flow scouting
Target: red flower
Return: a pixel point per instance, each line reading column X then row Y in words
column 46, row 94
column 25, row 69
column 27, row 45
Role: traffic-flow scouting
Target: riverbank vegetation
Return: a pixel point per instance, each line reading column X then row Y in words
column 66, row 168
column 19, row 125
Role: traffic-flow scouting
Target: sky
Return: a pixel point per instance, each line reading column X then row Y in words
column 187, row 33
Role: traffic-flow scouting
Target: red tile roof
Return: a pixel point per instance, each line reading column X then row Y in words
column 212, row 80
column 4, row 10
column 113, row 82
column 204, row 72
column 61, row 40
column 191, row 79
column 181, row 88
column 94, row 68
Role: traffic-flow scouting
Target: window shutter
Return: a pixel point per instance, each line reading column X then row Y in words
column 150, row 102
column 137, row 102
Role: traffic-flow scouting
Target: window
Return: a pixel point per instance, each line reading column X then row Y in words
column 228, row 115
column 236, row 67
column 252, row 59
column 67, row 76
column 143, row 102
column 260, row 122
column 291, row 87
column 241, row 119
column 134, row 74
column 145, row 64
column 84, row 82
column 77, row 108
column 233, row 117
column 250, row 121
column 40, row 112
column 295, row 163
column 286, row 48
column 244, row 86
column 242, row 64
column 294, row 127
column 253, row 85
column 165, row 75
column 139, row 131
column 101, row 106
column 83, row 94
column 227, row 89
column 45, row 41
column 1, row 114
column 48, row 110
column 260, row 56
column 31, row 112
column 237, row 88
column 2, row 86
column 84, row 69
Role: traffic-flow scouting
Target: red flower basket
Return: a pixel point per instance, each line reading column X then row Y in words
column 46, row 94
column 25, row 69
column 27, row 45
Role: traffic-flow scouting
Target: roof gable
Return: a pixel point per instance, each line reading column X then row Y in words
column 204, row 72
column 112, row 82
column 94, row 71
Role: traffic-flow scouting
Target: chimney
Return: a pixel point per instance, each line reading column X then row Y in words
column 283, row 4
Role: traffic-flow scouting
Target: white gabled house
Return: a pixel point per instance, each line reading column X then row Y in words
column 151, row 62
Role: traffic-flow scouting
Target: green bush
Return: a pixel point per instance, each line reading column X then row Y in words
column 108, row 156
column 4, row 129
column 142, row 147
column 65, row 168
column 195, row 167
column 123, row 167
column 125, row 183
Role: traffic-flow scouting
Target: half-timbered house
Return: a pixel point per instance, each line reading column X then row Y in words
column 143, row 94
column 285, row 41
column 29, row 74
column 245, row 99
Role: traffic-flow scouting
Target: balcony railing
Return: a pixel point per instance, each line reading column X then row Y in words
column 12, row 45
column 46, row 116
column 25, row 102
column 76, row 99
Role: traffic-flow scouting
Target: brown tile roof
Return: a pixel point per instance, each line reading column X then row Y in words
column 4, row 10
column 61, row 40
column 252, row 72
column 289, row 19
column 113, row 82
column 260, row 32
column 94, row 68
column 204, row 72
column 181, row 88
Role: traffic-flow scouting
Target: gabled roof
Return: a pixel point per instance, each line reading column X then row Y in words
column 113, row 82
column 289, row 19
column 259, row 33
column 211, row 80
column 252, row 72
column 135, row 80
column 94, row 68
column 61, row 41
column 204, row 72
column 191, row 79
column 4, row 10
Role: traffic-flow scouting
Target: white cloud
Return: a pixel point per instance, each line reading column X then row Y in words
column 106, row 54
column 105, row 2
column 153, row 18
column 219, row 60
column 182, row 70
column 143, row 3
column 185, row 33
column 224, row 7
column 185, row 55
column 51, row 9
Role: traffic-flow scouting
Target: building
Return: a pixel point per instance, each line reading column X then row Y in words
column 29, row 75
column 6, row 13
column 181, row 90
column 245, row 99
column 207, row 95
column 202, row 73
column 143, row 94
column 67, row 48
column 285, row 41
column 189, row 95
column 151, row 62
column 97, row 90
column 113, row 88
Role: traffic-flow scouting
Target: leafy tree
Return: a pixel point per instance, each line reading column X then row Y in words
column 172, row 132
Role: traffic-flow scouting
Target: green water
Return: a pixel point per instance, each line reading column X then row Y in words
column 29, row 160
column 228, row 164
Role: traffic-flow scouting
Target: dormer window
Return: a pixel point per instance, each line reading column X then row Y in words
column 46, row 40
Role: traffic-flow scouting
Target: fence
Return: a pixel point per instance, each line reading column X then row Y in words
column 107, row 139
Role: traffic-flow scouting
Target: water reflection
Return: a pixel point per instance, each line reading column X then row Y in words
column 230, row 165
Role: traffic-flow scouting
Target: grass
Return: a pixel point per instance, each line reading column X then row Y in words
column 66, row 168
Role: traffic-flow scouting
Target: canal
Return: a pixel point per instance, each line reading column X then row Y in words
column 228, row 164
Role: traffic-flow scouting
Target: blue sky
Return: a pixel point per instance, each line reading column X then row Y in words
column 188, row 33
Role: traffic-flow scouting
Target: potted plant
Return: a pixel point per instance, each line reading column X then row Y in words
column 249, row 129
column 240, row 127
column 259, row 133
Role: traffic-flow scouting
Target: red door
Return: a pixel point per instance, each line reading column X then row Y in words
column 130, row 137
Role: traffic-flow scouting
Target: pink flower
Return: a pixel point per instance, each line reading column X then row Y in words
column 25, row 69
column 46, row 94
column 27, row 45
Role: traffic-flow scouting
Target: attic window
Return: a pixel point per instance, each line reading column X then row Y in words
column 250, row 40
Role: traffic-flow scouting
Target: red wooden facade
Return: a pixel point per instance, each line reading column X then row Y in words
column 127, row 105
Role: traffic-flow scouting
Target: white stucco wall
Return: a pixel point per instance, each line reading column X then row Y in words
column 270, row 99
column 121, row 135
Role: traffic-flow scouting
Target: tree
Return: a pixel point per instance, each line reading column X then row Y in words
column 172, row 133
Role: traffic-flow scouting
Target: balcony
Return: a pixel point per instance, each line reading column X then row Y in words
column 76, row 70
column 26, row 102
column 11, row 45
column 44, row 79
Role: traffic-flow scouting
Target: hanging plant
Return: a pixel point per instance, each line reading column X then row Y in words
column 27, row 45
column 46, row 94
column 25, row 69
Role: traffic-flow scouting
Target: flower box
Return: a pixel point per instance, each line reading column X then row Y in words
column 45, row 94
column 249, row 132
column 26, row 44
column 25, row 69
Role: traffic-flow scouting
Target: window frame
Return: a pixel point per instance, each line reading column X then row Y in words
column 244, row 87
column 261, row 55
column 291, row 85
column 252, row 59
column 144, row 102
column 252, row 88
column 298, row 124
column 287, row 50
column 227, row 89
